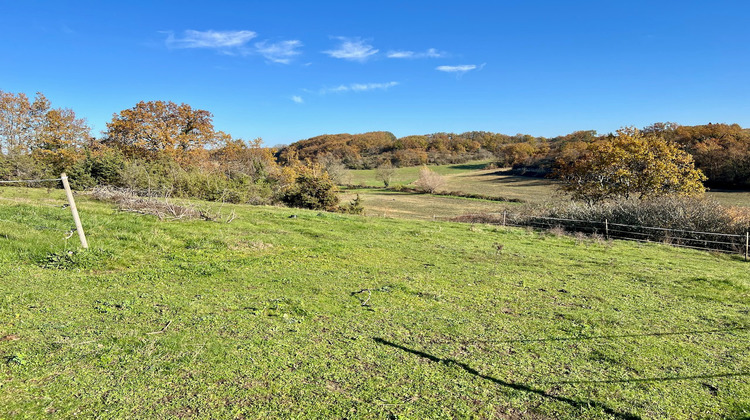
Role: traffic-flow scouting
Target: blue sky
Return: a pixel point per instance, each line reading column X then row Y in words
column 288, row 70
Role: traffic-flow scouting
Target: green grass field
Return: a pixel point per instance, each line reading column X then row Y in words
column 407, row 175
column 331, row 316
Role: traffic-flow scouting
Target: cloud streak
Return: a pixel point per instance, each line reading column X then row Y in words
column 352, row 49
column 297, row 99
column 279, row 52
column 358, row 87
column 221, row 40
column 459, row 70
column 430, row 53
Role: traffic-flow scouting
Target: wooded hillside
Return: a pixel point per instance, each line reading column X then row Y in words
column 721, row 151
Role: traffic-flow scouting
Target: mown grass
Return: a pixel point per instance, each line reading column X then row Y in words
column 332, row 316
column 407, row 175
column 388, row 203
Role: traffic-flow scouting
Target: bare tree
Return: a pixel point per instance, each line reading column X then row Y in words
column 335, row 168
column 385, row 173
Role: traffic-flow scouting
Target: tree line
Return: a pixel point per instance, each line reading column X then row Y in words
column 720, row 151
column 161, row 146
column 155, row 148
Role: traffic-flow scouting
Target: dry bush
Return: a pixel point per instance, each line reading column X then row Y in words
column 429, row 181
column 557, row 231
column 689, row 214
column 486, row 218
column 580, row 237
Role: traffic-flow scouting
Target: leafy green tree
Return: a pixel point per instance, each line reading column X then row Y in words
column 630, row 165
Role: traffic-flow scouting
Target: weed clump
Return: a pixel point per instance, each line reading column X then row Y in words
column 74, row 259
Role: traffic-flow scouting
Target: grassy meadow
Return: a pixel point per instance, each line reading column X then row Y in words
column 388, row 203
column 473, row 178
column 292, row 313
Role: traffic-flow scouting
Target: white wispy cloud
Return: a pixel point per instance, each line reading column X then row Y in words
column 459, row 70
column 297, row 99
column 354, row 49
column 361, row 87
column 430, row 53
column 222, row 40
column 358, row 87
column 279, row 52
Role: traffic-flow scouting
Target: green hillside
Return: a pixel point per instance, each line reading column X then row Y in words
column 291, row 313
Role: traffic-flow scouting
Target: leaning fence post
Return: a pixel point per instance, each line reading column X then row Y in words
column 606, row 228
column 74, row 210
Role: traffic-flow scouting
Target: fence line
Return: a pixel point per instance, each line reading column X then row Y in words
column 71, row 202
column 681, row 238
column 15, row 181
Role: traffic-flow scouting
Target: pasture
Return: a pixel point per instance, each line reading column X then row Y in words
column 472, row 178
column 292, row 313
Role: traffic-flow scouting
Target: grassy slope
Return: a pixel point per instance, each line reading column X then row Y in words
column 261, row 320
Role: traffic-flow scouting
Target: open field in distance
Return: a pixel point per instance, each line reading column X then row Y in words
column 472, row 178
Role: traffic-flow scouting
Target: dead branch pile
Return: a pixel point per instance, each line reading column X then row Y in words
column 162, row 208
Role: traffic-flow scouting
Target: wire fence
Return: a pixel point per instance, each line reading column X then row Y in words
column 683, row 238
column 29, row 181
column 729, row 243
column 71, row 202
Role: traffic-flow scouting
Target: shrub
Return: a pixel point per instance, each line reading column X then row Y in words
column 429, row 181
column 677, row 220
column 312, row 190
column 672, row 212
column 353, row 207
column 105, row 165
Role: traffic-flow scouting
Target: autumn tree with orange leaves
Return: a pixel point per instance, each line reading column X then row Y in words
column 630, row 165
column 158, row 126
column 53, row 136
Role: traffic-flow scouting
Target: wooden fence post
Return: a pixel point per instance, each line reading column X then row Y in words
column 606, row 229
column 504, row 213
column 74, row 210
column 747, row 243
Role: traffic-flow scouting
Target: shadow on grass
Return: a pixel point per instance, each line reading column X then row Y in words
column 508, row 177
column 519, row 387
column 469, row 166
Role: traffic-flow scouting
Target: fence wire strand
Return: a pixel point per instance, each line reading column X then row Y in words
column 681, row 238
column 18, row 181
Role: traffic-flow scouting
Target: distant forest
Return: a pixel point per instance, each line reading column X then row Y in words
column 721, row 151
